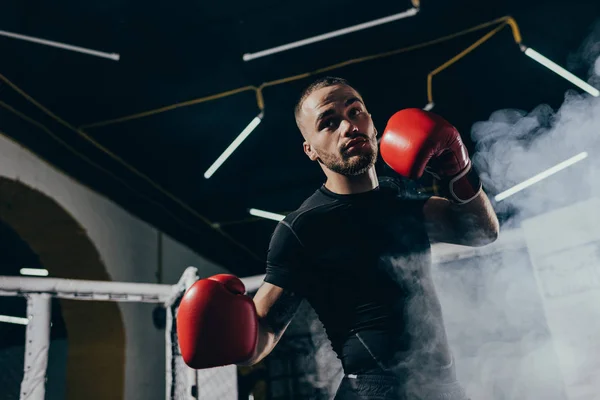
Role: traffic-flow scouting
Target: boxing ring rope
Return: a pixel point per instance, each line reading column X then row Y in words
column 40, row 291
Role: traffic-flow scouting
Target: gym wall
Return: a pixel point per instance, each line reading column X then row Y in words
column 114, row 350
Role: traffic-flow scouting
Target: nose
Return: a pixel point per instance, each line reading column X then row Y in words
column 348, row 128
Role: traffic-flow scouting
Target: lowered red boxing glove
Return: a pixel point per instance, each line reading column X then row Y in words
column 216, row 323
column 415, row 141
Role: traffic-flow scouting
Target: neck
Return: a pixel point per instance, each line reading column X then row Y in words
column 343, row 184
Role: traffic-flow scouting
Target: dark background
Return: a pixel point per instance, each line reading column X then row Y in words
column 178, row 51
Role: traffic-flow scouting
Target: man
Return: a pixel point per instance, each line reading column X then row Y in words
column 358, row 251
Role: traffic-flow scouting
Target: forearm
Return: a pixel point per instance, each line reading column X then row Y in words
column 475, row 222
column 267, row 339
column 275, row 309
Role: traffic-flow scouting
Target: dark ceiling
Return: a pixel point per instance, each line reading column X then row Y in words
column 180, row 51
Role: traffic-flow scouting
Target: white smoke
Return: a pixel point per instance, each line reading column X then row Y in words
column 587, row 56
column 513, row 146
column 494, row 315
column 493, row 308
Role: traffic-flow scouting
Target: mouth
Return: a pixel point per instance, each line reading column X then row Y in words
column 355, row 144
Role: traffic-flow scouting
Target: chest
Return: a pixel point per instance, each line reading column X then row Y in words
column 358, row 237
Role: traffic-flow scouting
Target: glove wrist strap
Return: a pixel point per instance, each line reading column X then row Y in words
column 464, row 187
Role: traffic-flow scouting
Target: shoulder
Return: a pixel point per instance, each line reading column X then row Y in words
column 309, row 212
column 404, row 194
column 289, row 228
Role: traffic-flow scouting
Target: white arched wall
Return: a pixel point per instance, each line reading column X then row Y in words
column 128, row 249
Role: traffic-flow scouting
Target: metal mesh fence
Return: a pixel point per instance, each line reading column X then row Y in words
column 180, row 382
column 218, row 383
column 303, row 365
column 26, row 366
column 184, row 383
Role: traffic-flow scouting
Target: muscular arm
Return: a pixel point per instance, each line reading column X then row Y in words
column 471, row 224
column 275, row 308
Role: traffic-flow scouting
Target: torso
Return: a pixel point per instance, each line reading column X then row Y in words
column 368, row 278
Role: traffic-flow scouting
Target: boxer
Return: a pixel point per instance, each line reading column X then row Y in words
column 358, row 250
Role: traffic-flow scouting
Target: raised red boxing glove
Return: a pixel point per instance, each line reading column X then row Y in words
column 216, row 323
column 415, row 141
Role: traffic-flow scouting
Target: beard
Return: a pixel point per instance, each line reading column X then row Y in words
column 350, row 164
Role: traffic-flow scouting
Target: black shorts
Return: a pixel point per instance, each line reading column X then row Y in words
column 385, row 387
column 375, row 381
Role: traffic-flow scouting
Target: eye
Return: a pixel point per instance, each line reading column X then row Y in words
column 330, row 124
column 355, row 111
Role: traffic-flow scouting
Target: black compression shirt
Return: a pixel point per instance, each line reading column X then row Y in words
column 363, row 263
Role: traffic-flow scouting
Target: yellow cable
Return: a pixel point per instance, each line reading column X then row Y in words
column 515, row 29
column 260, row 100
column 96, row 144
column 54, row 136
column 286, row 80
column 114, row 156
column 409, row 48
column 85, row 158
column 168, row 108
column 460, row 55
column 34, row 102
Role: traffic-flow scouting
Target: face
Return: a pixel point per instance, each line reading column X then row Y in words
column 338, row 131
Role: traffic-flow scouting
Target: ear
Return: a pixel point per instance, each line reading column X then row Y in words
column 308, row 150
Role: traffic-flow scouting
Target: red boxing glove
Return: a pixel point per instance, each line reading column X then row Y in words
column 216, row 323
column 415, row 141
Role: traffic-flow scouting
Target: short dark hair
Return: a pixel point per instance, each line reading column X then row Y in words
column 316, row 85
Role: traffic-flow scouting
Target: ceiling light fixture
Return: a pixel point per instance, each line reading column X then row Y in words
column 408, row 13
column 542, row 175
column 266, row 214
column 234, row 145
column 13, row 320
column 112, row 56
column 34, row 271
column 560, row 70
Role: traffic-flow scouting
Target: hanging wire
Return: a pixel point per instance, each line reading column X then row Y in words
column 507, row 21
column 456, row 58
column 135, row 171
column 168, row 108
column 39, row 125
column 260, row 101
